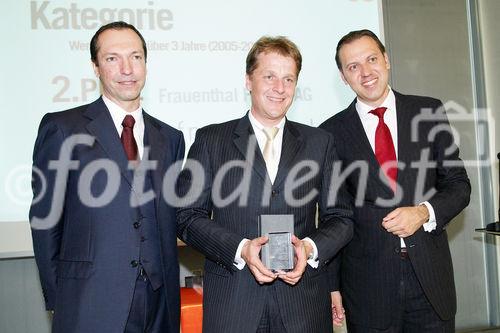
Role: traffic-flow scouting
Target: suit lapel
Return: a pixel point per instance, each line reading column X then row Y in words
column 158, row 149
column 101, row 126
column 243, row 135
column 404, row 114
column 292, row 142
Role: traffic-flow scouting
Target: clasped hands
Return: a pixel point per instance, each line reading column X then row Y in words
column 250, row 253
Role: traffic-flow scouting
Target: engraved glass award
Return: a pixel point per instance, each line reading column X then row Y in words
column 277, row 254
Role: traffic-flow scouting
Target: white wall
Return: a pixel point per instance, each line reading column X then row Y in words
column 196, row 67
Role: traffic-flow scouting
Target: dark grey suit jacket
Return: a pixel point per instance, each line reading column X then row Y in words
column 84, row 260
column 233, row 300
column 370, row 265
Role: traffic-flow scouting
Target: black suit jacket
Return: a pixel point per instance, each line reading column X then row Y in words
column 233, row 300
column 370, row 265
column 84, row 260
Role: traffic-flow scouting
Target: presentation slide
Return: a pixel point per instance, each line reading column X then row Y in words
column 196, row 69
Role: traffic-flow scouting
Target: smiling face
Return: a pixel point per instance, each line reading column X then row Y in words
column 366, row 70
column 272, row 87
column 121, row 67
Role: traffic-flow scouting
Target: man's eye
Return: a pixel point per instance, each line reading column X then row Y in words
column 109, row 59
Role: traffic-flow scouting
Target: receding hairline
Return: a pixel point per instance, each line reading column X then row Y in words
column 98, row 41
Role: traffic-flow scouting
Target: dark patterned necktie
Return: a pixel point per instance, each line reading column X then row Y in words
column 127, row 138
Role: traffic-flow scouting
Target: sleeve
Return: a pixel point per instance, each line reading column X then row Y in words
column 46, row 239
column 333, row 271
column 452, row 184
column 195, row 225
column 335, row 225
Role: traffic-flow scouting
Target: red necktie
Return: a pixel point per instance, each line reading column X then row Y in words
column 384, row 147
column 127, row 138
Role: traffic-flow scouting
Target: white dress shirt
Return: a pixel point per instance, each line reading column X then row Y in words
column 258, row 129
column 118, row 114
column 370, row 122
column 272, row 171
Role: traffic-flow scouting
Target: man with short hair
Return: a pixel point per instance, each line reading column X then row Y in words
column 396, row 274
column 104, row 245
column 263, row 164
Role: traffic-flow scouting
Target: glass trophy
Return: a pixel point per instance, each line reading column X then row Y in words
column 277, row 254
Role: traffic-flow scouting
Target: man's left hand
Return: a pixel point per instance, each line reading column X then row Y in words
column 404, row 221
column 301, row 248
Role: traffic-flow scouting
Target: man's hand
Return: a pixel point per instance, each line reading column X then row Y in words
column 337, row 308
column 404, row 221
column 250, row 253
column 302, row 248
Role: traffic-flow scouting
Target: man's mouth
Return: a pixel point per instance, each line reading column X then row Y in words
column 370, row 83
column 276, row 99
column 127, row 82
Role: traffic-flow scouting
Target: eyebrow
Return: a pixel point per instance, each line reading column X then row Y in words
column 118, row 53
column 351, row 63
column 367, row 57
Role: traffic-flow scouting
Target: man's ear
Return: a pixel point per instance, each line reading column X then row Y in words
column 387, row 62
column 96, row 69
column 343, row 77
column 248, row 82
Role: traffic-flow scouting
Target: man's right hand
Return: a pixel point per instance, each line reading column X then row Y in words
column 250, row 253
column 337, row 308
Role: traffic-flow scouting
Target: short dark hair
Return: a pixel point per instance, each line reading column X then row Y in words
column 280, row 45
column 355, row 35
column 118, row 25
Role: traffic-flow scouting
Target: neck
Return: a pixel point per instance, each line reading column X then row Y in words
column 128, row 106
column 266, row 122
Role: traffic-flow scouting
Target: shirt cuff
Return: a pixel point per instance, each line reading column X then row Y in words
column 313, row 262
column 238, row 260
column 431, row 224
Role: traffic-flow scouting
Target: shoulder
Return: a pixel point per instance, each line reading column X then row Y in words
column 164, row 128
column 56, row 126
column 339, row 118
column 65, row 120
column 218, row 130
column 308, row 131
column 335, row 120
column 421, row 101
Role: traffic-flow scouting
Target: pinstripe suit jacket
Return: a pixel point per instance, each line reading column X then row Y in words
column 370, row 265
column 233, row 300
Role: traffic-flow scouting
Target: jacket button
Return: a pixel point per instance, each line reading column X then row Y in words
column 274, row 193
column 137, row 225
column 134, row 263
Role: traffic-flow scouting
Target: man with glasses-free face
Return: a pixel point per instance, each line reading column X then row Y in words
column 107, row 263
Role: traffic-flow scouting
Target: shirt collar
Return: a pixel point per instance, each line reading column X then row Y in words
column 118, row 113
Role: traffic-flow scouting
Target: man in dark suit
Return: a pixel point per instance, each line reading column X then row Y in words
column 263, row 164
column 104, row 238
column 396, row 274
